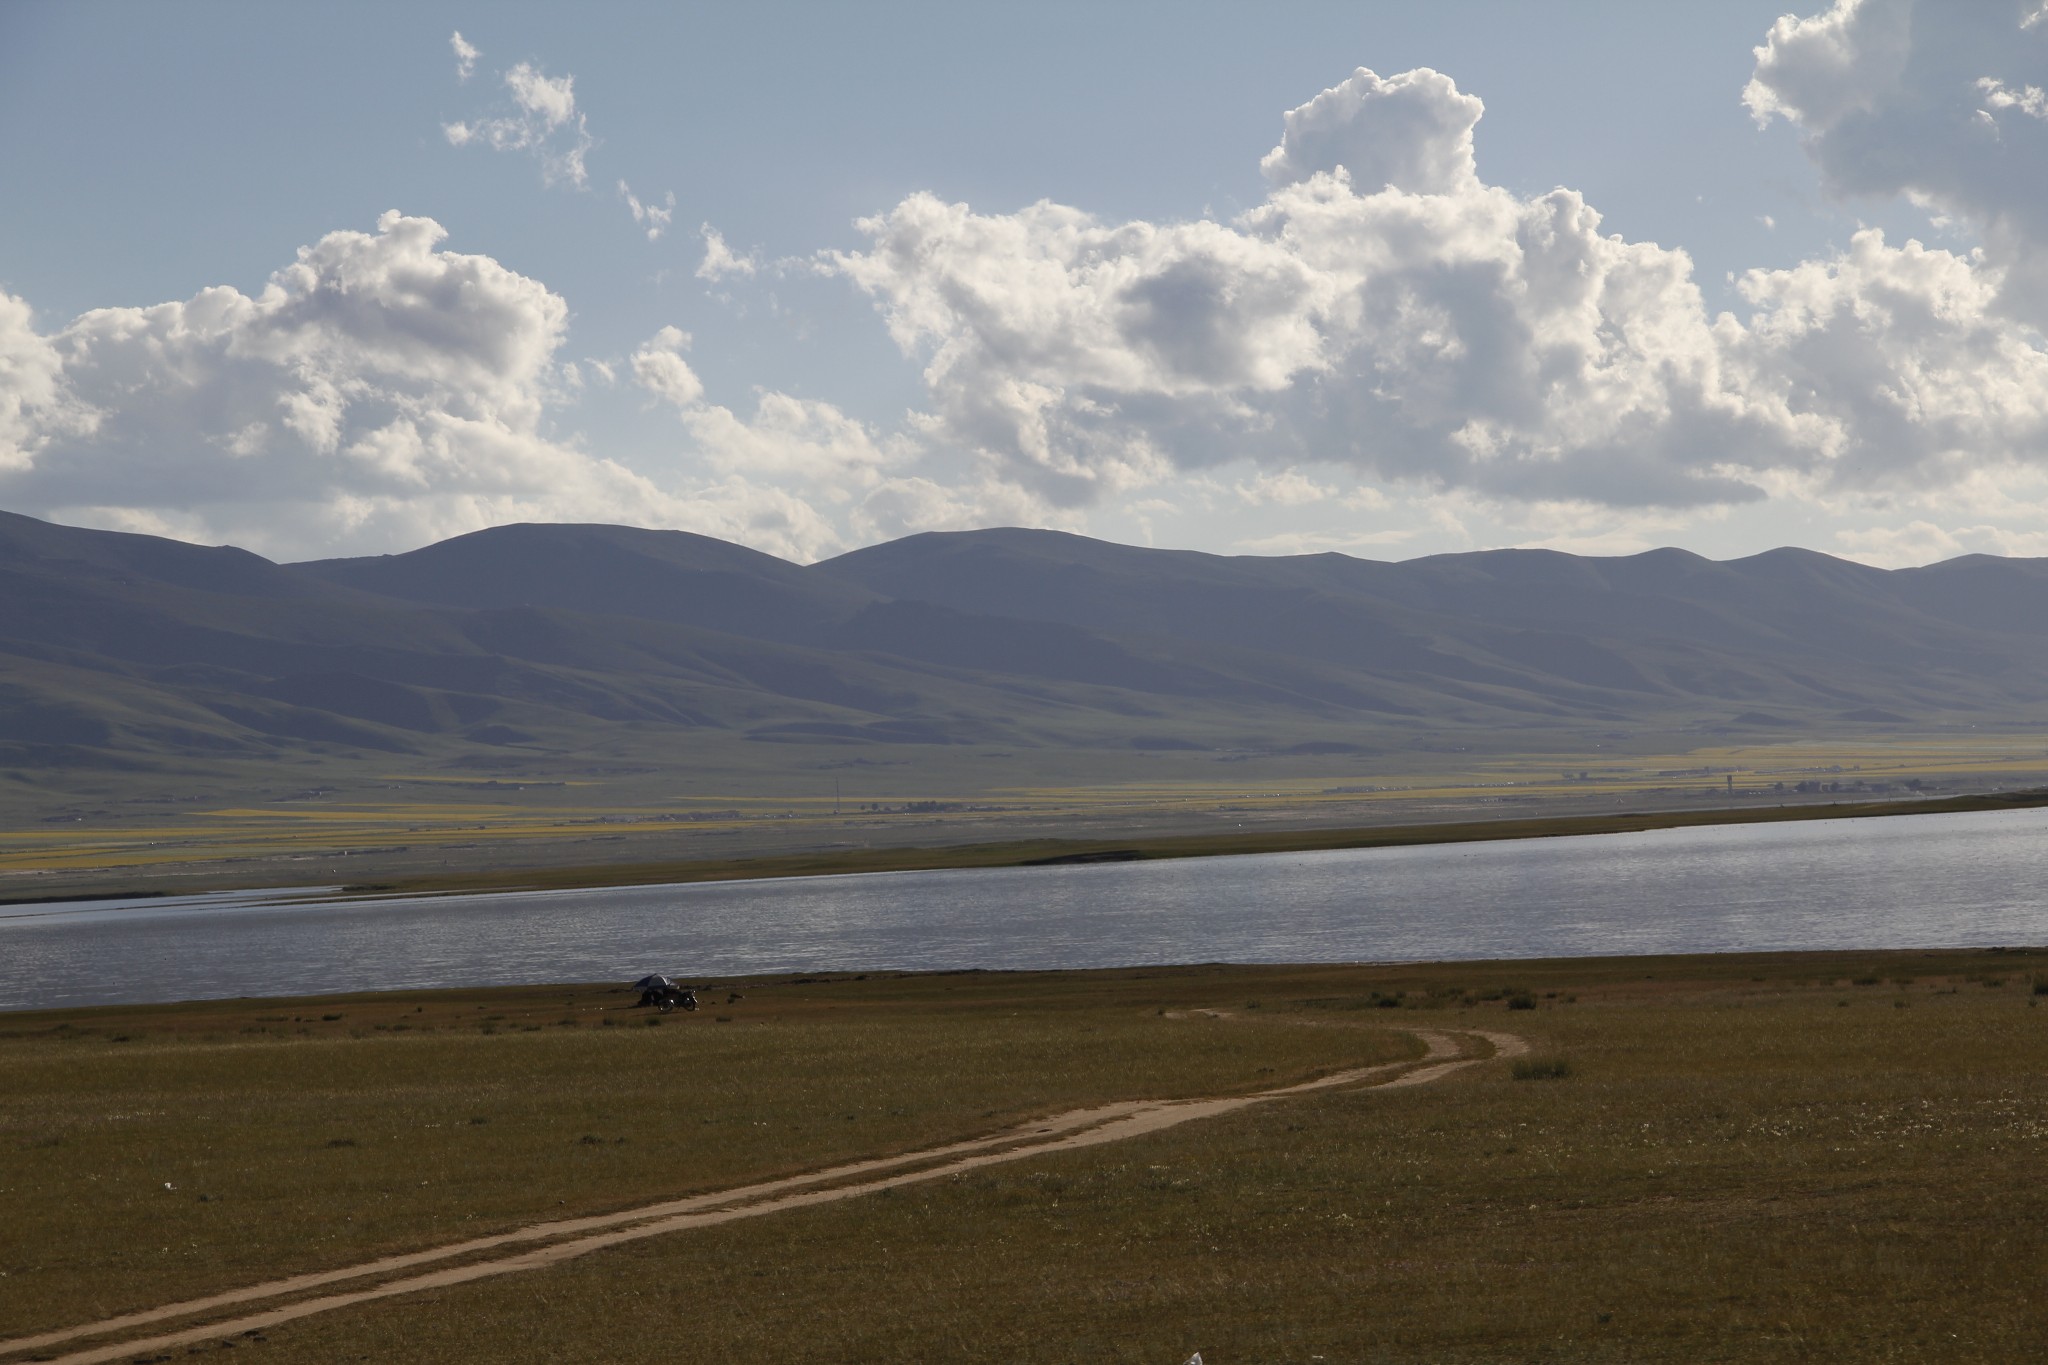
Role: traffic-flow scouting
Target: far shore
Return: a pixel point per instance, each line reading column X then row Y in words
column 1039, row 852
column 1063, row 852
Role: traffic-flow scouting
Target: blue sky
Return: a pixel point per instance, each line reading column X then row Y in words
column 1178, row 348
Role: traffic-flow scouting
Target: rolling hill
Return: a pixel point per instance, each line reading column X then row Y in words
column 131, row 651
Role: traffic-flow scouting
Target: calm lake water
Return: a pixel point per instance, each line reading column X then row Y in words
column 1901, row 882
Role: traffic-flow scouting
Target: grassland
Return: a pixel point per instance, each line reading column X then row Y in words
column 830, row 809
column 1784, row 1157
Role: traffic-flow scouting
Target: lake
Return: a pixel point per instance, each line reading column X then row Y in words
column 1952, row 880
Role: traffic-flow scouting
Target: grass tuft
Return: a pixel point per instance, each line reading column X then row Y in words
column 1542, row 1069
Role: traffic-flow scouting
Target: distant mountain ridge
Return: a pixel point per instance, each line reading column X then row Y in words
column 670, row 576
column 119, row 648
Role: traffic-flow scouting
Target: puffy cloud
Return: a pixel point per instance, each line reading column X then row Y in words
column 1386, row 312
column 654, row 217
column 1465, row 338
column 1412, row 132
column 1385, row 350
column 32, row 396
column 1829, row 70
column 1063, row 348
column 762, row 515
column 804, row 478
column 1920, row 365
column 1930, row 102
column 378, row 392
column 1900, row 363
column 544, row 122
column 793, row 438
column 382, row 391
column 659, row 368
column 465, row 55
column 551, row 99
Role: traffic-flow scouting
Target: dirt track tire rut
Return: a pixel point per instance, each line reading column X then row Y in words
column 552, row 1243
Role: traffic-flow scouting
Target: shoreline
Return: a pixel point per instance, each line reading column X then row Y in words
column 1072, row 852
column 1051, row 851
column 1670, row 970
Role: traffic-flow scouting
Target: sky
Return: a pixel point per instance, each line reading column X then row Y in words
column 1383, row 279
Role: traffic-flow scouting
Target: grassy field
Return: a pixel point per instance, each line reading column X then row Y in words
column 402, row 830
column 1784, row 1157
column 364, row 818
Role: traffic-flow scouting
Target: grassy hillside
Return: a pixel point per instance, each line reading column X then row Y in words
column 1004, row 684
column 543, row 638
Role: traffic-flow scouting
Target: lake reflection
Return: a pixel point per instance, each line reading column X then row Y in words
column 1899, row 882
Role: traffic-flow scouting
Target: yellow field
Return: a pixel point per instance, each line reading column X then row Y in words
column 339, row 825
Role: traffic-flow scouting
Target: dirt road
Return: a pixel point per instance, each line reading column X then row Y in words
column 547, row 1244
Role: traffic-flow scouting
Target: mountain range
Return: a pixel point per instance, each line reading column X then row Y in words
column 127, row 650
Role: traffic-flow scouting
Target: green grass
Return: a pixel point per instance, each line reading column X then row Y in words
column 1735, row 1167
column 1540, row 1069
column 644, row 802
column 232, row 1141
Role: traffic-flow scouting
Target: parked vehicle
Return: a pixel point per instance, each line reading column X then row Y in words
column 664, row 994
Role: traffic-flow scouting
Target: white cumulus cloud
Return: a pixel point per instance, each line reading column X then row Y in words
column 34, row 406
column 1451, row 333
column 465, row 55
column 1384, row 350
column 1938, row 103
column 659, row 368
column 795, row 439
column 1386, row 313
column 1901, row 364
column 551, row 99
column 806, row 478
column 378, row 392
column 1412, row 132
